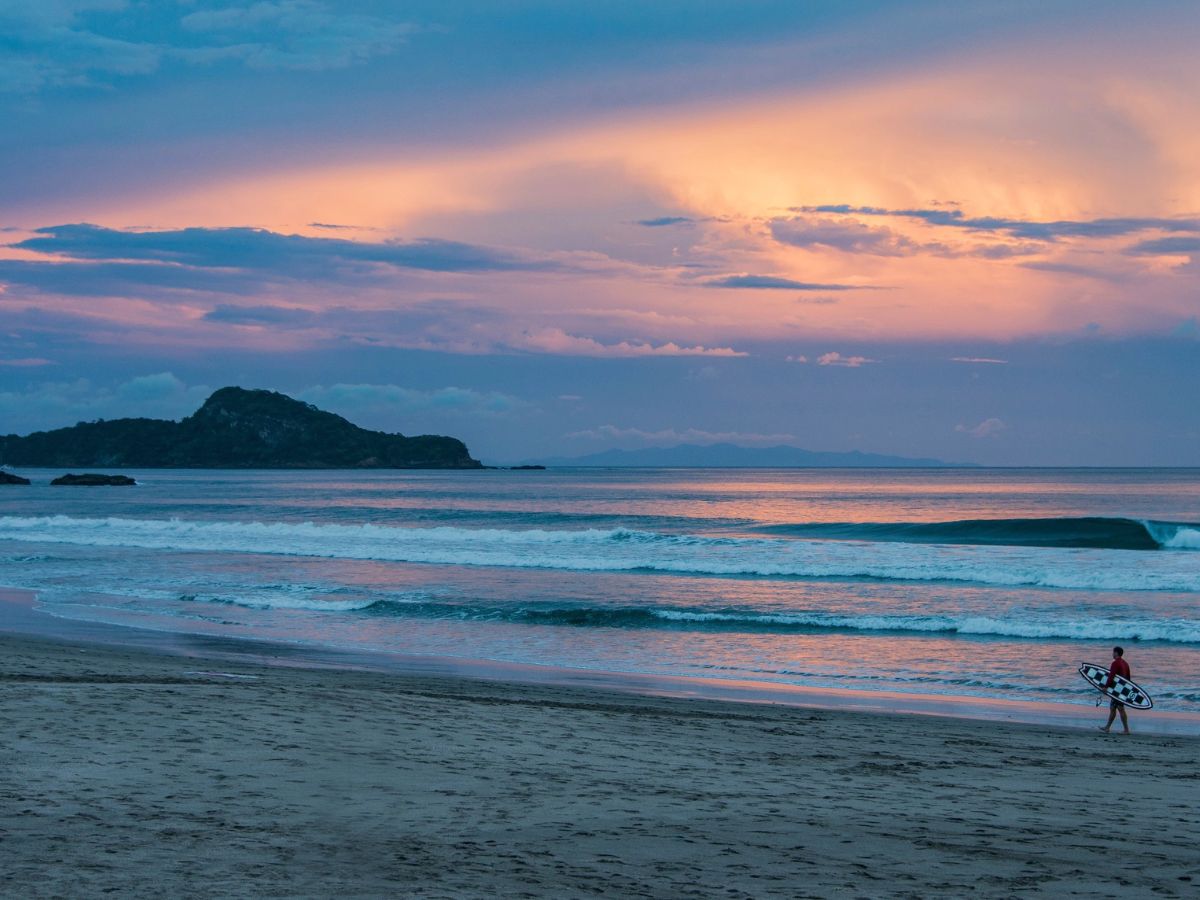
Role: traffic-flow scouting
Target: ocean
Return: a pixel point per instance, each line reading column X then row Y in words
column 976, row 583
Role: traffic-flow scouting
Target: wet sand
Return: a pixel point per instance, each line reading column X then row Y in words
column 143, row 774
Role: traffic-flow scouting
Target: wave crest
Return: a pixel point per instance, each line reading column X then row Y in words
column 1088, row 532
column 1180, row 631
column 628, row 550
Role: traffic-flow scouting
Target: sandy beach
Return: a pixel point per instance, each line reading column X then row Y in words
column 142, row 774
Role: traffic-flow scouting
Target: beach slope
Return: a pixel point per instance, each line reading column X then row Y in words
column 152, row 775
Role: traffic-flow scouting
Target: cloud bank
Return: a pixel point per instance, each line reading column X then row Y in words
column 671, row 436
column 91, row 43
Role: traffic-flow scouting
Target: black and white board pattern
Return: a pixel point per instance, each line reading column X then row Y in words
column 1123, row 689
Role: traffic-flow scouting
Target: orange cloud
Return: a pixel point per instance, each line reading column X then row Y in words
column 1056, row 137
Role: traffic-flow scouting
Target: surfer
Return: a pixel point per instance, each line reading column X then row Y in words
column 1118, row 667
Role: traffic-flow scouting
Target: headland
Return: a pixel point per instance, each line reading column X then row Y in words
column 235, row 428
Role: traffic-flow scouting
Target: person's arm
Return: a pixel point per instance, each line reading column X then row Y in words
column 1113, row 673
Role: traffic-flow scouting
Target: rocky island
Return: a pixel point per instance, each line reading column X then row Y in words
column 235, row 428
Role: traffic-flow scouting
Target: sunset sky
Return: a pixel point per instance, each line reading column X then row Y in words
column 968, row 231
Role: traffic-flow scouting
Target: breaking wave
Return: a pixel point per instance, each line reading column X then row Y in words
column 1085, row 532
column 626, row 550
column 412, row 606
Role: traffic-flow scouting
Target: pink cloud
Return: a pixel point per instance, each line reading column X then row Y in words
column 985, row 429
column 1099, row 144
column 836, row 359
column 557, row 341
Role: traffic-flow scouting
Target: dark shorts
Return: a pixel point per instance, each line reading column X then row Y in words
column 1115, row 704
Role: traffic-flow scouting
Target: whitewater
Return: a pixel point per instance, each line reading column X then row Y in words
column 629, row 550
column 989, row 583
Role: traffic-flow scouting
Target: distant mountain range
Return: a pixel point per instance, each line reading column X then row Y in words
column 733, row 456
column 236, row 429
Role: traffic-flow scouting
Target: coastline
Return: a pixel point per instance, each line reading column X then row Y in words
column 211, row 773
column 23, row 617
column 19, row 608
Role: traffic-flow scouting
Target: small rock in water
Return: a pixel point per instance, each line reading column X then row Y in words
column 91, row 479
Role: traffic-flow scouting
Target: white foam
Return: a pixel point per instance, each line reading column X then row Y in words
column 1184, row 539
column 266, row 600
column 1172, row 536
column 626, row 550
column 223, row 675
column 1184, row 631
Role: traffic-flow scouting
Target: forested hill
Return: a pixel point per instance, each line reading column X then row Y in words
column 236, row 429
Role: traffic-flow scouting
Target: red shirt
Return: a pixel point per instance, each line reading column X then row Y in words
column 1118, row 667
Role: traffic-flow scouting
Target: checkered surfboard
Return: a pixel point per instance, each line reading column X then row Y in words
column 1123, row 689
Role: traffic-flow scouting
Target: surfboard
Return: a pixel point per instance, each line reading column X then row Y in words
column 1123, row 689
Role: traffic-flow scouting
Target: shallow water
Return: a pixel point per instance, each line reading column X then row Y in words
column 985, row 583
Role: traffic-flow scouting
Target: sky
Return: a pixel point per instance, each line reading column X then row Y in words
column 964, row 231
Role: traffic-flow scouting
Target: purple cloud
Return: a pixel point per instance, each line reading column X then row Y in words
column 257, row 249
column 774, row 283
column 848, row 236
column 1170, row 246
column 1021, row 228
column 663, row 221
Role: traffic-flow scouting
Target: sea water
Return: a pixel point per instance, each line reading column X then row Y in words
column 969, row 582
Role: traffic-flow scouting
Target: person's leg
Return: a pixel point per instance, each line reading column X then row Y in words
column 1124, row 717
column 1112, row 715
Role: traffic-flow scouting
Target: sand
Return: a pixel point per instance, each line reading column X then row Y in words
column 133, row 773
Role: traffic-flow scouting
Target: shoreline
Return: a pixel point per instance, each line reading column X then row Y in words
column 22, row 616
column 201, row 773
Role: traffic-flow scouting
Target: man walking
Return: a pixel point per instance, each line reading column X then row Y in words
column 1118, row 667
